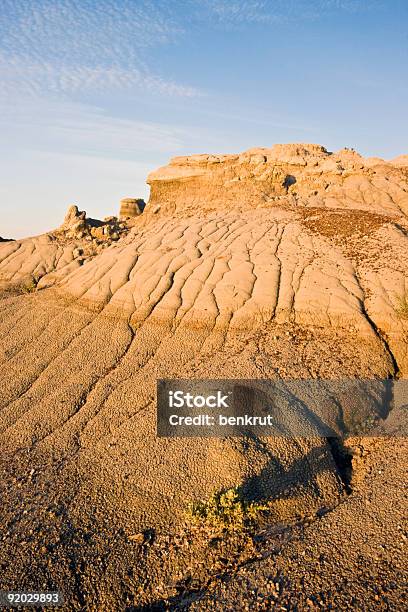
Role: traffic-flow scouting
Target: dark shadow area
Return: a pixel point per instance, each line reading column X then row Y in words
column 276, row 401
column 276, row 482
column 343, row 460
column 289, row 181
column 94, row 222
column 401, row 229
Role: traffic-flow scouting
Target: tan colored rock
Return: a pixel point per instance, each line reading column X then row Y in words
column 131, row 207
column 402, row 161
column 269, row 177
column 98, row 232
column 73, row 216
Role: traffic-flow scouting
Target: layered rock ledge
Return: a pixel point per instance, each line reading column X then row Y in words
column 296, row 174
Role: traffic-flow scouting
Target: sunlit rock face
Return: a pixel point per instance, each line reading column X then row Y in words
column 295, row 174
column 289, row 262
column 131, row 207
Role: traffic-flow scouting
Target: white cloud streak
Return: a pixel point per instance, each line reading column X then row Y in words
column 269, row 12
column 20, row 76
column 65, row 47
column 82, row 129
column 69, row 47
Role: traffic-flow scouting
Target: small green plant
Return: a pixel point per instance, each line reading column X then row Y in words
column 402, row 306
column 225, row 511
column 30, row 286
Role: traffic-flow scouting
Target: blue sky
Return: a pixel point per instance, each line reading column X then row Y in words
column 96, row 93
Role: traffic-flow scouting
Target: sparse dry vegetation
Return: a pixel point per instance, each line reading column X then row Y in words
column 226, row 511
column 30, row 286
column 402, row 306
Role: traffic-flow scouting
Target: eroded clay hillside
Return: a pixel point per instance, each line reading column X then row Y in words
column 288, row 262
column 289, row 234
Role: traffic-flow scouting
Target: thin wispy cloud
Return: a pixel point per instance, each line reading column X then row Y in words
column 95, row 93
column 31, row 78
column 65, row 46
column 86, row 130
column 270, row 12
column 238, row 11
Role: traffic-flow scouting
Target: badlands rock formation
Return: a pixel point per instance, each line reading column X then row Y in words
column 289, row 262
column 301, row 175
column 131, row 207
column 43, row 260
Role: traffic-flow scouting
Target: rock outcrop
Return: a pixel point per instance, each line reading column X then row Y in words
column 76, row 225
column 131, row 207
column 285, row 175
column 291, row 234
column 73, row 216
column 44, row 260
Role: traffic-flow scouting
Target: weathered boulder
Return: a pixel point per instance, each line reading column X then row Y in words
column 131, row 207
column 73, row 216
column 77, row 226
